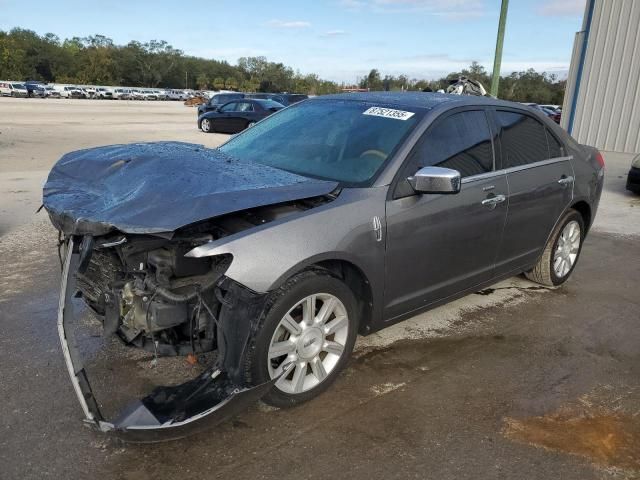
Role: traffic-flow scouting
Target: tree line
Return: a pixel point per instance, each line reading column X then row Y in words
column 97, row 60
column 527, row 86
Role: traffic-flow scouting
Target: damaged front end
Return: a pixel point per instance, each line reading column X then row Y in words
column 148, row 294
column 128, row 214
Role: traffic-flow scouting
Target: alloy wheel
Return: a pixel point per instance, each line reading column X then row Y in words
column 308, row 343
column 567, row 249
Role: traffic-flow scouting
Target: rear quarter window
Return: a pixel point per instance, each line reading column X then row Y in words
column 555, row 148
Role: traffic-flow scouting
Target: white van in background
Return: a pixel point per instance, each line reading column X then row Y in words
column 122, row 93
column 105, row 93
column 13, row 89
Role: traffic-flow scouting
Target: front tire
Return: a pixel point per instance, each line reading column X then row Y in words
column 306, row 336
column 561, row 253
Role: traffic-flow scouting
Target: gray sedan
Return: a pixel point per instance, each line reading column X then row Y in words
column 338, row 216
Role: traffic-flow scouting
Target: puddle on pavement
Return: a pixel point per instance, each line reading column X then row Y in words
column 606, row 438
column 489, row 291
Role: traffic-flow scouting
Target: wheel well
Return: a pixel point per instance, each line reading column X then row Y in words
column 357, row 281
column 583, row 209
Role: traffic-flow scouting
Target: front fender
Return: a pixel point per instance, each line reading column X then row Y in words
column 266, row 256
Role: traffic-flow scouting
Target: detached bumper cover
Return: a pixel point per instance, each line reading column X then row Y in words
column 167, row 413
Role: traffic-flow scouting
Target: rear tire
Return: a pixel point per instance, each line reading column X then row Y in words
column 313, row 356
column 561, row 253
column 205, row 125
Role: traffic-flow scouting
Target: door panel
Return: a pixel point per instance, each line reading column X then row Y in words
column 438, row 245
column 540, row 187
column 239, row 118
column 536, row 201
column 223, row 122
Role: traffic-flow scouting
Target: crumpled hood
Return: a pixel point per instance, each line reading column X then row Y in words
column 156, row 188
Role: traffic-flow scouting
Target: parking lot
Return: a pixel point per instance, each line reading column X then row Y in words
column 516, row 381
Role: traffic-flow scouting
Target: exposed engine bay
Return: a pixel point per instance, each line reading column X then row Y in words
column 155, row 299
column 147, row 293
column 145, row 290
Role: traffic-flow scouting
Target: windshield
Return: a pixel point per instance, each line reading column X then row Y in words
column 338, row 140
column 19, row 86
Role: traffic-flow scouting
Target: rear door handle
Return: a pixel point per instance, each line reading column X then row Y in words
column 492, row 202
column 564, row 181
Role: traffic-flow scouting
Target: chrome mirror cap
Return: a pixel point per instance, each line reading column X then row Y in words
column 435, row 180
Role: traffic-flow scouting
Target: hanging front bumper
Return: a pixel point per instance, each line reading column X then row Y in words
column 167, row 413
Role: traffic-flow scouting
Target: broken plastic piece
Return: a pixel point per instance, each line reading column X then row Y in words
column 167, row 413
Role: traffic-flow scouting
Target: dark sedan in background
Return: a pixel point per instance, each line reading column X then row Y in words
column 235, row 116
column 217, row 100
column 633, row 179
column 285, row 99
column 553, row 114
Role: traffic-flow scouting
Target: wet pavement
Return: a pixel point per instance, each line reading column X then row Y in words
column 515, row 381
column 476, row 399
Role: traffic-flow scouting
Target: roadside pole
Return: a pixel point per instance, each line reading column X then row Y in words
column 497, row 60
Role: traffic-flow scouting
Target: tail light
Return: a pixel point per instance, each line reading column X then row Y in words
column 600, row 159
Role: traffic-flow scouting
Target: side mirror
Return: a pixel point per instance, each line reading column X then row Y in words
column 435, row 180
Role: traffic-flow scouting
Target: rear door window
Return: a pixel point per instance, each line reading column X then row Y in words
column 229, row 107
column 523, row 139
column 461, row 141
column 245, row 107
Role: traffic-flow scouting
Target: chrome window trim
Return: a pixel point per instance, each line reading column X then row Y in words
column 483, row 176
column 519, row 168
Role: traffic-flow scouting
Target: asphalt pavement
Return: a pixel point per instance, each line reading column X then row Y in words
column 512, row 382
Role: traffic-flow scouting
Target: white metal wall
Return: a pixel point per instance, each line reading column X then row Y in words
column 607, row 113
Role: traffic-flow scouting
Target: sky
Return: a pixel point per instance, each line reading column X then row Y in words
column 340, row 40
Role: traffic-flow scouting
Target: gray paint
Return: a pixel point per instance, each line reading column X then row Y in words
column 434, row 247
column 415, row 252
column 607, row 112
column 266, row 256
column 438, row 245
column 156, row 188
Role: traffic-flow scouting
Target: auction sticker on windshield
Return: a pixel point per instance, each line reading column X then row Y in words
column 388, row 113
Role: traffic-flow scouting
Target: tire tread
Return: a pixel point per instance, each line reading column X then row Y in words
column 541, row 273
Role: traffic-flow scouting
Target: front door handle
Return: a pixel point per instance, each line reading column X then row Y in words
column 492, row 202
column 564, row 181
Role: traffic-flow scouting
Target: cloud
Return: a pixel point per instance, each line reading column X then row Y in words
column 561, row 8
column 334, row 33
column 288, row 24
column 444, row 8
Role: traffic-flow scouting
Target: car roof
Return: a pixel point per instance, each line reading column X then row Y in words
column 425, row 100
column 261, row 100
